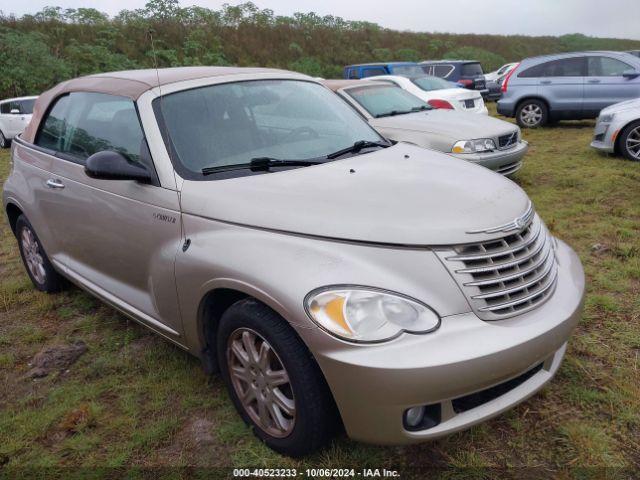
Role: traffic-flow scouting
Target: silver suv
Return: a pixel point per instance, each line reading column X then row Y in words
column 254, row 219
column 568, row 86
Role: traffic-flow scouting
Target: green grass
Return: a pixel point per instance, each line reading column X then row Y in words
column 132, row 398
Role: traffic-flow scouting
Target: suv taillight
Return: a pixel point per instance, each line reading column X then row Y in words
column 507, row 77
column 436, row 103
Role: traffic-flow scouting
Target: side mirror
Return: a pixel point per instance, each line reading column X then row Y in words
column 15, row 111
column 630, row 74
column 110, row 165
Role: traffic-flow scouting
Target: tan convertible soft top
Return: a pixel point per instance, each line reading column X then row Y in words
column 130, row 83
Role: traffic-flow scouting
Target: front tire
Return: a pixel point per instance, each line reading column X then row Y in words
column 273, row 381
column 532, row 114
column 4, row 143
column 42, row 274
column 630, row 142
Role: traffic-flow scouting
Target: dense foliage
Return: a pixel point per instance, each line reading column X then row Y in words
column 37, row 51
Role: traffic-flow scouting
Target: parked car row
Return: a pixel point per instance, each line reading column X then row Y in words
column 333, row 277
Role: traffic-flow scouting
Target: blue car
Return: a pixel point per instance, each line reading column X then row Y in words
column 568, row 86
column 364, row 70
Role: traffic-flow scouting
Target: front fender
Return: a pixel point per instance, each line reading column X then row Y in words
column 280, row 269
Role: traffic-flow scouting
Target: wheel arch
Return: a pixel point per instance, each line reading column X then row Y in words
column 616, row 145
column 13, row 212
column 534, row 97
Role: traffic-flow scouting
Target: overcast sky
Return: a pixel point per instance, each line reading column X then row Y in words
column 610, row 18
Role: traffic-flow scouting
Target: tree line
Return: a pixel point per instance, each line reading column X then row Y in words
column 39, row 50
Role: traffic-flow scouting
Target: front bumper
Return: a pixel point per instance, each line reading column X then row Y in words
column 604, row 137
column 505, row 162
column 374, row 385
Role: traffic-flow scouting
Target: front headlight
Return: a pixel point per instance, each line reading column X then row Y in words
column 474, row 146
column 607, row 118
column 362, row 314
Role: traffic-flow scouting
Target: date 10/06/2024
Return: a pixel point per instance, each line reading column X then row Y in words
column 315, row 473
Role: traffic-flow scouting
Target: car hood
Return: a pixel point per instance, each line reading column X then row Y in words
column 622, row 106
column 447, row 123
column 401, row 195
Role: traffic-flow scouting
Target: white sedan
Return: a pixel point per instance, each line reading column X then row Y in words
column 499, row 74
column 437, row 92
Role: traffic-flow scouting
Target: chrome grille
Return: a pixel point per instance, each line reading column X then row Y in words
column 507, row 141
column 506, row 276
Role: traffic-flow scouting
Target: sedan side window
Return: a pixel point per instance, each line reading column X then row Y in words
column 4, row 108
column 81, row 124
column 607, row 67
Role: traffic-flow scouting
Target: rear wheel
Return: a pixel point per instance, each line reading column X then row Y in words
column 629, row 141
column 532, row 114
column 4, row 143
column 274, row 383
column 36, row 262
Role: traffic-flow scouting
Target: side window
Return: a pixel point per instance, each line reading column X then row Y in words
column 81, row 124
column 566, row 67
column 372, row 72
column 353, row 73
column 442, row 71
column 4, row 107
column 26, row 107
column 607, row 67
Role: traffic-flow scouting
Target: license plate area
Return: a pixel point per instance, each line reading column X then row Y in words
column 469, row 103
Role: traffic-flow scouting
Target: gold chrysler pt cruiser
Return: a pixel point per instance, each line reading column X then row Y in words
column 333, row 279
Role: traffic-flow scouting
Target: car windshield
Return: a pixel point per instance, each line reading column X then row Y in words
column 386, row 100
column 408, row 70
column 431, row 83
column 233, row 123
column 471, row 70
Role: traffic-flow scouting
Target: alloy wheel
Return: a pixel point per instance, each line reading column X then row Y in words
column 633, row 143
column 33, row 256
column 531, row 115
column 261, row 382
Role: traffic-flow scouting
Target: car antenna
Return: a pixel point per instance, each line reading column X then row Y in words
column 187, row 241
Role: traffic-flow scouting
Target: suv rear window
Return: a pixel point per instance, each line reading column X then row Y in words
column 471, row 70
column 81, row 124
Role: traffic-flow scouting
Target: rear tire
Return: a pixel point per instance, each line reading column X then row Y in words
column 629, row 142
column 4, row 143
column 273, row 381
column 532, row 114
column 42, row 274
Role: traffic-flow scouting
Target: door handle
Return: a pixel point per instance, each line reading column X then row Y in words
column 52, row 183
column 545, row 82
column 594, row 80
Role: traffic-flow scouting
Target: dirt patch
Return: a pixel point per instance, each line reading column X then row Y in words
column 55, row 358
column 194, row 445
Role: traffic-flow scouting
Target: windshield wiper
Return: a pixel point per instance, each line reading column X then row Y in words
column 258, row 164
column 356, row 147
column 393, row 113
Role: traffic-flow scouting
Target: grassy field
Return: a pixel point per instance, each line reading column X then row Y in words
column 135, row 400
